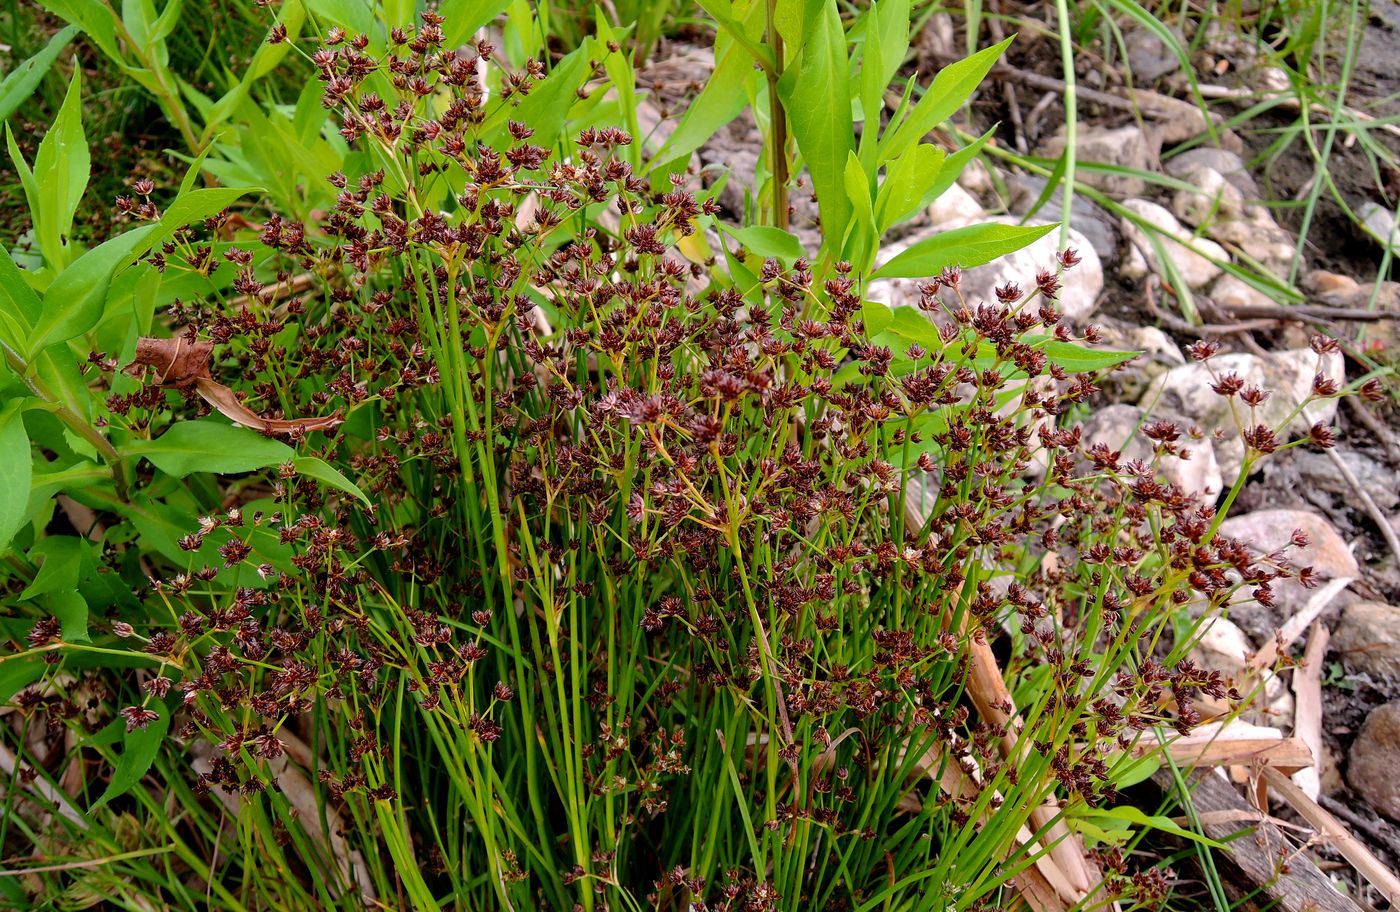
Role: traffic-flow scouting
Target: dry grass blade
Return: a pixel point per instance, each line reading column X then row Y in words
column 1330, row 828
column 1307, row 717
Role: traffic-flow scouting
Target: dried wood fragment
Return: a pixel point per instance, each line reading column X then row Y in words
column 1289, row 754
column 1261, row 869
column 1338, row 836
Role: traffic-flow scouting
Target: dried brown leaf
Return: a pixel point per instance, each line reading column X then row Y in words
column 182, row 364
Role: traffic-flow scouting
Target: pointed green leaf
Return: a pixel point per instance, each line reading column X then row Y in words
column 767, row 241
column 25, row 78
column 16, row 468
column 61, row 170
column 816, row 95
column 209, row 446
column 965, row 247
column 323, row 471
column 907, row 182
column 950, row 90
column 19, row 305
column 73, row 303
column 139, row 753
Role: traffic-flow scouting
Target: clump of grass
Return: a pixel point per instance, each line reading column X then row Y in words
column 621, row 582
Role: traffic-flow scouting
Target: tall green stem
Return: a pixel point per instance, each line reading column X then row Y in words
column 777, row 137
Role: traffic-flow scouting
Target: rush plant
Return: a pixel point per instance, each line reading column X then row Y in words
column 550, row 562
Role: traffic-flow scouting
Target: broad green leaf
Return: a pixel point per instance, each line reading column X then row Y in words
column 73, row 303
column 55, row 588
column 64, row 556
column 196, row 206
column 876, row 316
column 742, row 277
column 862, row 237
column 717, row 104
column 1079, row 359
column 966, row 247
column 464, row 17
column 950, row 90
column 872, row 82
column 547, row 106
column 953, row 166
column 71, row 609
column 61, row 170
column 209, row 446
column 910, row 325
column 891, row 29
column 165, row 23
column 727, row 17
column 17, row 674
column 816, row 94
column 18, row 304
column 291, row 16
column 25, row 78
column 139, row 753
column 767, row 241
column 323, row 471
column 95, row 19
column 907, row 182
column 16, row 470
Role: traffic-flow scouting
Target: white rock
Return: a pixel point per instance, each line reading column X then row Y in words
column 1266, row 532
column 1126, row 147
column 1149, row 340
column 955, row 204
column 1190, row 261
column 1258, row 236
column 1379, row 222
column 1077, row 297
column 1230, row 292
column 1226, row 648
column 1224, row 162
column 1212, row 199
column 1287, row 376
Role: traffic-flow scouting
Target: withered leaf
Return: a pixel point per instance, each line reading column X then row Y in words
column 177, row 362
column 181, row 364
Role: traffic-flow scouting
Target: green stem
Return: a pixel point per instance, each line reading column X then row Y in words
column 777, row 139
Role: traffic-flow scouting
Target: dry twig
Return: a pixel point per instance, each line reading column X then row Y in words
column 1330, row 828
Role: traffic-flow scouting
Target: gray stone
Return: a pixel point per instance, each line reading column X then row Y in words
column 1157, row 354
column 1211, row 198
column 1086, row 216
column 1149, row 57
column 1379, row 222
column 954, row 205
column 1126, row 147
column 1230, row 293
column 1224, row 647
column 1368, row 642
column 1219, row 160
column 1374, row 767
